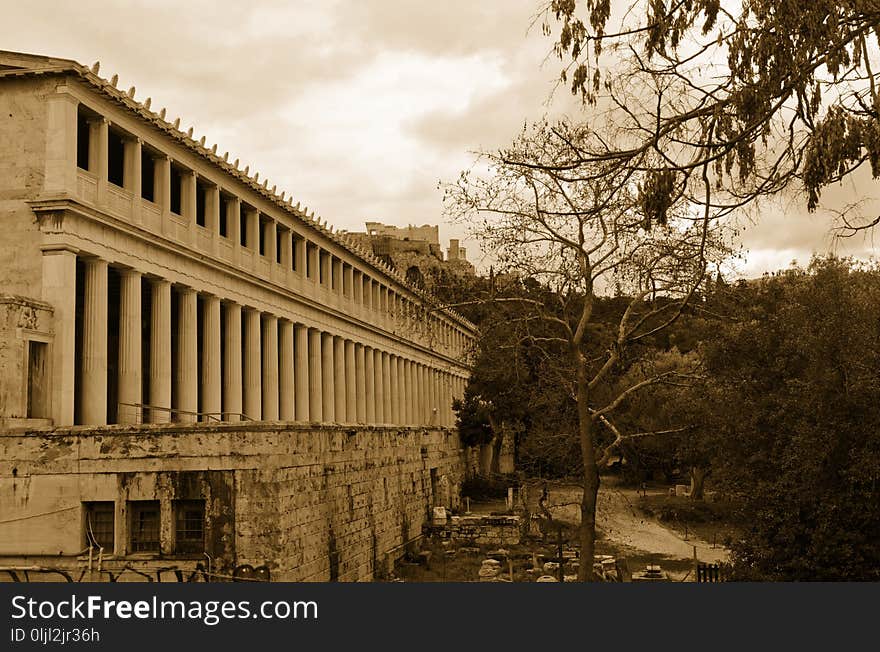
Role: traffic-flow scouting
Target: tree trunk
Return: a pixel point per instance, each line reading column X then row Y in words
column 485, row 459
column 497, row 438
column 497, row 443
column 698, row 481
column 591, row 473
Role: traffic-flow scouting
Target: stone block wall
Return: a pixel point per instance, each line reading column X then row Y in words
column 22, row 320
column 312, row 503
column 480, row 530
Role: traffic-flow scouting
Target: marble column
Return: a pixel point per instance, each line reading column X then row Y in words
column 410, row 392
column 160, row 351
column 94, row 350
column 59, row 290
column 434, row 397
column 187, row 356
column 360, row 383
column 252, row 363
column 426, row 395
column 328, row 385
column 339, row 379
column 129, row 379
column 350, row 383
column 301, row 372
column 286, row 376
column 232, row 392
column 316, row 402
column 369, row 385
column 386, row 388
column 404, row 392
column 269, row 381
column 395, row 390
column 378, row 386
column 212, row 390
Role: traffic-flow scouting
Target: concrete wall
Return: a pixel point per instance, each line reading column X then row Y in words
column 311, row 503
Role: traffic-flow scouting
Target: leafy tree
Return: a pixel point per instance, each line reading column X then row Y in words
column 770, row 93
column 799, row 448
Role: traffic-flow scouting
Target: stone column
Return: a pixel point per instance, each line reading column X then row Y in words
column 286, row 379
column 187, row 356
column 360, row 383
column 99, row 131
column 447, row 399
column 313, row 261
column 403, row 417
column 232, row 394
column 269, row 241
column 339, row 379
column 163, row 190
column 409, row 377
column 378, row 387
column 337, row 276
column 348, row 282
column 424, row 399
column 94, row 353
column 129, row 379
column 233, row 226
column 61, row 144
column 212, row 390
column 253, row 230
column 434, row 397
column 299, row 254
column 357, row 287
column 269, row 382
column 252, row 363
column 59, row 290
column 188, row 197
column 328, row 386
column 409, row 382
column 350, row 383
column 386, row 389
column 301, row 372
column 316, row 383
column 367, row 289
column 160, row 351
column 395, row 390
column 131, row 175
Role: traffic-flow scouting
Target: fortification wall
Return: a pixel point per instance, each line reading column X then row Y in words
column 312, row 503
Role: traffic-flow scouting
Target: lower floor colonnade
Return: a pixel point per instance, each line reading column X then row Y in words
column 131, row 347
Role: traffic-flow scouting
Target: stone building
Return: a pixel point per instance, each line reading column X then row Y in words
column 152, row 292
column 414, row 251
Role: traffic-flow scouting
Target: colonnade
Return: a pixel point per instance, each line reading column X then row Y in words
column 209, row 358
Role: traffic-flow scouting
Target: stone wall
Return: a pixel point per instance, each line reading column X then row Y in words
column 22, row 320
column 22, row 132
column 479, row 530
column 312, row 503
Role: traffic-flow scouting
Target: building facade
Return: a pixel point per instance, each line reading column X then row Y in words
column 147, row 281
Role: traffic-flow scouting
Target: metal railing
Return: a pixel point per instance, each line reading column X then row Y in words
column 136, row 412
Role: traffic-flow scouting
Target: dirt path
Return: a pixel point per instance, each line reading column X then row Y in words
column 627, row 528
column 624, row 524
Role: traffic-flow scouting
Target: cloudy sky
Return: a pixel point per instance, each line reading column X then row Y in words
column 357, row 108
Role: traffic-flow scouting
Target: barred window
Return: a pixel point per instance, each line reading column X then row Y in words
column 144, row 525
column 190, row 526
column 100, row 522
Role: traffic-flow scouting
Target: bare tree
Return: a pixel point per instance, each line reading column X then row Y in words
column 581, row 230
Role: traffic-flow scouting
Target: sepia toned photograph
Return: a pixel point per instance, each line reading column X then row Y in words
column 387, row 291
